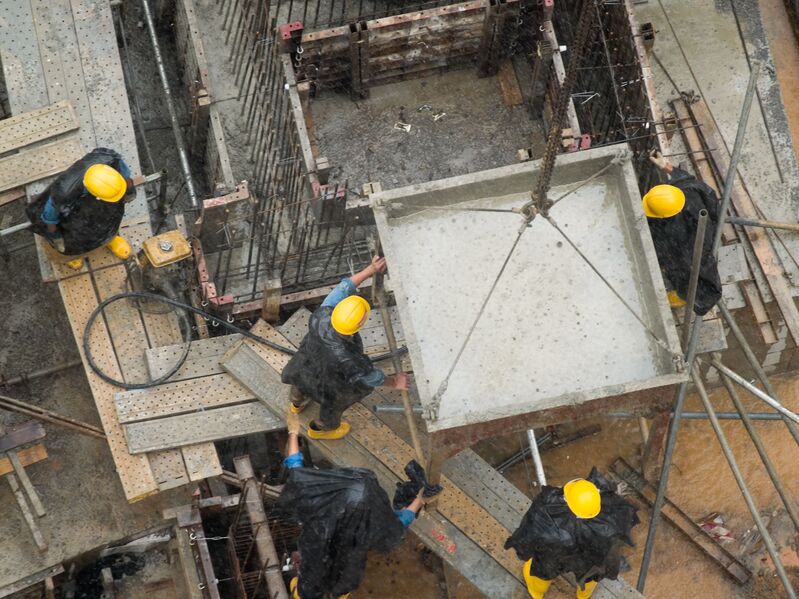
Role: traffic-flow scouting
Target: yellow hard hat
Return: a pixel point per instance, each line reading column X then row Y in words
column 105, row 183
column 663, row 201
column 350, row 315
column 582, row 497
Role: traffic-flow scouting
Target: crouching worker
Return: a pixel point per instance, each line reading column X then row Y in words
column 343, row 514
column 579, row 529
column 673, row 214
column 330, row 366
column 83, row 208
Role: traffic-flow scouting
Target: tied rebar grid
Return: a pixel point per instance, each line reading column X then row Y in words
column 299, row 233
column 323, row 14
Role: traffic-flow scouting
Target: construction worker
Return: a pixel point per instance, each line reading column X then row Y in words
column 83, row 208
column 672, row 211
column 343, row 514
column 578, row 528
column 330, row 366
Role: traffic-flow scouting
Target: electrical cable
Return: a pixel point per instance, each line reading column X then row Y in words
column 186, row 335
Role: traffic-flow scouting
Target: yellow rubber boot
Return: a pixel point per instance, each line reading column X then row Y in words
column 75, row 264
column 537, row 587
column 587, row 591
column 675, row 301
column 338, row 433
column 297, row 409
column 119, row 247
column 347, row 596
column 293, row 587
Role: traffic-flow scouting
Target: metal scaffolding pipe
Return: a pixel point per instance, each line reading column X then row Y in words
column 703, row 415
column 173, row 117
column 539, row 465
column 736, row 472
column 691, row 352
column 753, row 362
column 754, row 390
column 36, row 374
column 761, row 450
column 699, row 244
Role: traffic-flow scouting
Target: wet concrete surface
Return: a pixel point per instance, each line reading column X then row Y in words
column 458, row 124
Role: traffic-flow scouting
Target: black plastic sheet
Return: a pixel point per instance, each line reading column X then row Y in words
column 408, row 490
column 558, row 542
column 344, row 513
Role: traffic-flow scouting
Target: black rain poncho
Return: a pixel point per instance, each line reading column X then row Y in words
column 674, row 242
column 559, row 542
column 86, row 222
column 327, row 366
column 344, row 513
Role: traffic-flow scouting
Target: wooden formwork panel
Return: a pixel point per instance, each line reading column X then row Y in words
column 39, row 162
column 27, row 128
column 180, row 397
column 198, row 427
column 134, row 470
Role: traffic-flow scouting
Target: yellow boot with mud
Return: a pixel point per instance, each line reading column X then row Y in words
column 75, row 264
column 119, row 247
column 331, row 435
column 293, row 587
column 675, row 301
column 587, row 591
column 537, row 587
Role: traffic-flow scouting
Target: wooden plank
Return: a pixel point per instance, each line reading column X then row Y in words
column 683, row 523
column 203, row 358
column 201, row 461
column 191, row 578
column 27, row 485
column 39, row 162
column 29, row 127
column 30, row 520
column 31, row 580
column 761, row 243
column 134, row 470
column 171, row 399
column 296, row 109
column 23, row 434
column 212, row 425
column 509, row 84
column 12, row 195
column 27, row 456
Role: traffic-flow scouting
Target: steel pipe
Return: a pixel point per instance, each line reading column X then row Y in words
column 703, row 415
column 173, row 117
column 693, row 284
column 539, row 465
column 761, row 449
column 750, row 503
column 753, row 362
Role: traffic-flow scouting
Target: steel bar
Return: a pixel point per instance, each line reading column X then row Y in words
column 761, row 449
column 22, row 378
column 699, row 243
column 766, row 224
column 173, row 117
column 15, row 228
column 736, row 472
column 12, row 405
column 732, row 170
column 754, row 390
column 691, row 353
column 753, row 362
column 700, row 415
column 539, row 465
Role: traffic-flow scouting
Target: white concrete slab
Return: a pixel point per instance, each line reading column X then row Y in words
column 553, row 333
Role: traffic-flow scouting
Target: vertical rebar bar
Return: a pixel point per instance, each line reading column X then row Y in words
column 539, row 465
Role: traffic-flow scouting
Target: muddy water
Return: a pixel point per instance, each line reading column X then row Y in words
column 700, row 483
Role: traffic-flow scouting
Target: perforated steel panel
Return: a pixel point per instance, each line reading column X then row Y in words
column 39, row 162
column 27, row 128
column 212, row 425
column 180, row 397
column 203, row 358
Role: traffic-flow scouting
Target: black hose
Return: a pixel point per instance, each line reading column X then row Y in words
column 186, row 335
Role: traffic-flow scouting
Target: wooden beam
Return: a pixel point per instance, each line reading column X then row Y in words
column 27, row 456
column 21, row 435
column 27, row 485
column 271, row 309
column 31, row 580
column 509, row 84
column 30, row 520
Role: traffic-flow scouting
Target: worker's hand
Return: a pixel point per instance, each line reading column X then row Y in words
column 660, row 161
column 378, row 265
column 399, row 381
column 137, row 180
column 292, row 423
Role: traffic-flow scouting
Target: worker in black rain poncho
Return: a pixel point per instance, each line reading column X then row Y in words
column 672, row 211
column 343, row 514
column 330, row 366
column 579, row 529
column 83, row 208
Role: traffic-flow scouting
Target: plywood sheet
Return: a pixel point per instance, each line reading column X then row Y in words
column 197, row 427
column 39, row 162
column 29, row 127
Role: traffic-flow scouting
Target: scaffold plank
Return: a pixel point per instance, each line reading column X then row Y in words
column 203, row 358
column 39, row 162
column 29, row 127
